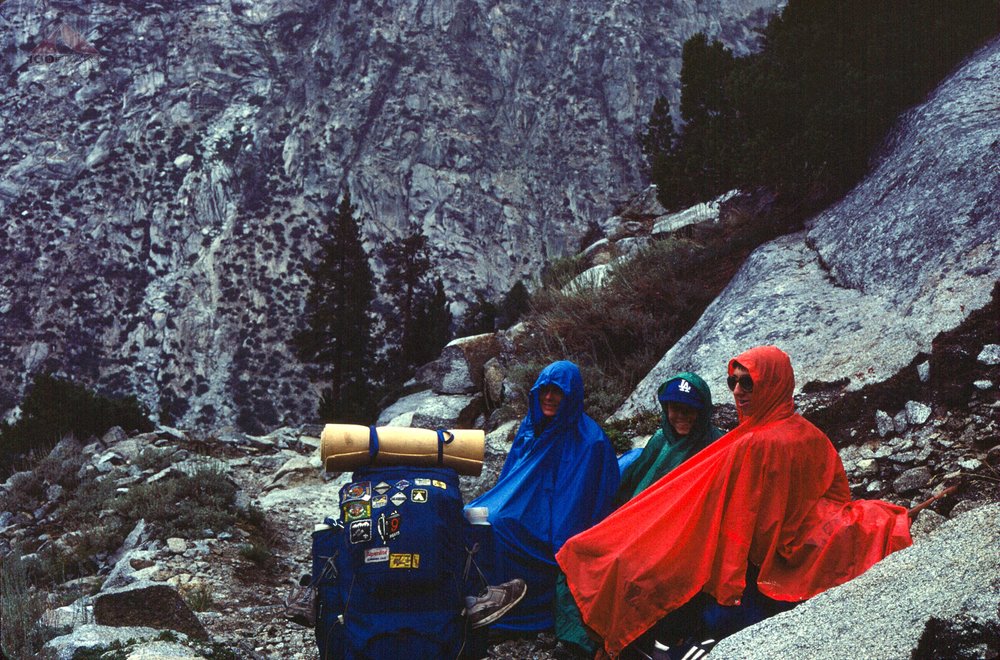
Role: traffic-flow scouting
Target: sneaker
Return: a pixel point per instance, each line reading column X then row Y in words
column 300, row 604
column 493, row 604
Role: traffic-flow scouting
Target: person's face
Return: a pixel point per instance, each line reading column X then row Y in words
column 681, row 416
column 549, row 397
column 741, row 394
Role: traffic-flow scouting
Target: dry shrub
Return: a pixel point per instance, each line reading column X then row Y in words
column 618, row 332
column 20, row 607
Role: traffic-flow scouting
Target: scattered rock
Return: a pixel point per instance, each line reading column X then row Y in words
column 176, row 545
column 92, row 636
column 917, row 413
column 924, row 371
column 911, row 480
column 884, row 423
column 990, row 355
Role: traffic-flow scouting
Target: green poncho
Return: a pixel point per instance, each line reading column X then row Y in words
column 665, row 450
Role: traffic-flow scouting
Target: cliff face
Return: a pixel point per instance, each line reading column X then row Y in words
column 163, row 167
column 865, row 289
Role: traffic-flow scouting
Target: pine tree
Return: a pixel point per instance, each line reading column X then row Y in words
column 422, row 319
column 337, row 338
column 659, row 146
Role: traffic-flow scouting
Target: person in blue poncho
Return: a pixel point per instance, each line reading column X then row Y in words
column 560, row 478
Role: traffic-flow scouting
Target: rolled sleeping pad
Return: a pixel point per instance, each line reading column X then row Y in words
column 345, row 447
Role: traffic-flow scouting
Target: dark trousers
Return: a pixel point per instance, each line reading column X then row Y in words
column 702, row 618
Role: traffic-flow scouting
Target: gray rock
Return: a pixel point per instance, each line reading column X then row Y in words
column 295, row 470
column 630, row 247
column 176, row 545
column 644, row 205
column 626, row 229
column 162, row 651
column 866, row 467
column 429, row 410
column 122, row 573
column 147, row 604
column 498, row 131
column 924, row 371
column 62, row 620
column 884, row 424
column 598, row 252
column 990, row 355
column 703, row 212
column 591, row 279
column 459, row 369
column 926, row 522
column 965, row 506
column 970, row 464
column 493, row 377
column 900, row 421
column 113, row 436
column 917, row 413
column 91, row 637
column 867, row 286
column 911, row 480
column 67, row 450
column 882, row 613
column 983, row 385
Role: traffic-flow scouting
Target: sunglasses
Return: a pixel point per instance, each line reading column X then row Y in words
column 744, row 381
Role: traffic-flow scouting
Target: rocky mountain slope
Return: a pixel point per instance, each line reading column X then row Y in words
column 163, row 167
column 237, row 593
column 863, row 291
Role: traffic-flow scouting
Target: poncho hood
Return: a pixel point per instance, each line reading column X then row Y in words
column 771, row 492
column 774, row 383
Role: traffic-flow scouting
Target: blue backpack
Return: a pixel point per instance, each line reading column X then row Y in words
column 389, row 568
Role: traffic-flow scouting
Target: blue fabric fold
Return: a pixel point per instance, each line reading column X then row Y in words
column 560, row 478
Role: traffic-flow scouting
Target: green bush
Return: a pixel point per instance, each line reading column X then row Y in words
column 185, row 506
column 198, row 596
column 257, row 552
column 53, row 408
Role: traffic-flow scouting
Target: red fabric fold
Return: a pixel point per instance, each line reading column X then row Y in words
column 772, row 492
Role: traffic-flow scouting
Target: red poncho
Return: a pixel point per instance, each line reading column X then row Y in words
column 772, row 492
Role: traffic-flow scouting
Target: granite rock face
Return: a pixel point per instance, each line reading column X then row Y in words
column 164, row 168
column 951, row 575
column 907, row 254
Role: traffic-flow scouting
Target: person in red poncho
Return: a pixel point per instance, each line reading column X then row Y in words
column 768, row 501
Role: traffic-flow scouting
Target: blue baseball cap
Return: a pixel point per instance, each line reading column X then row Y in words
column 679, row 390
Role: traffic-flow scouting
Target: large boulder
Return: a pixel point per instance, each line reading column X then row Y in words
column 429, row 410
column 147, row 604
column 947, row 580
column 909, row 253
column 459, row 369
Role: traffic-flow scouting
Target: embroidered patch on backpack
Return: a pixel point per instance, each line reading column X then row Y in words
column 404, row 560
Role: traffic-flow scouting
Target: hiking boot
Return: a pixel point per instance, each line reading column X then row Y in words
column 300, row 605
column 494, row 603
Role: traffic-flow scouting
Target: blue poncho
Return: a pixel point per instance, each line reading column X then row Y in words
column 559, row 479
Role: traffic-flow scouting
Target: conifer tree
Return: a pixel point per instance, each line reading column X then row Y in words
column 337, row 338
column 421, row 320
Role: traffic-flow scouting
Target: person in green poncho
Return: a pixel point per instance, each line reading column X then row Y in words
column 686, row 429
